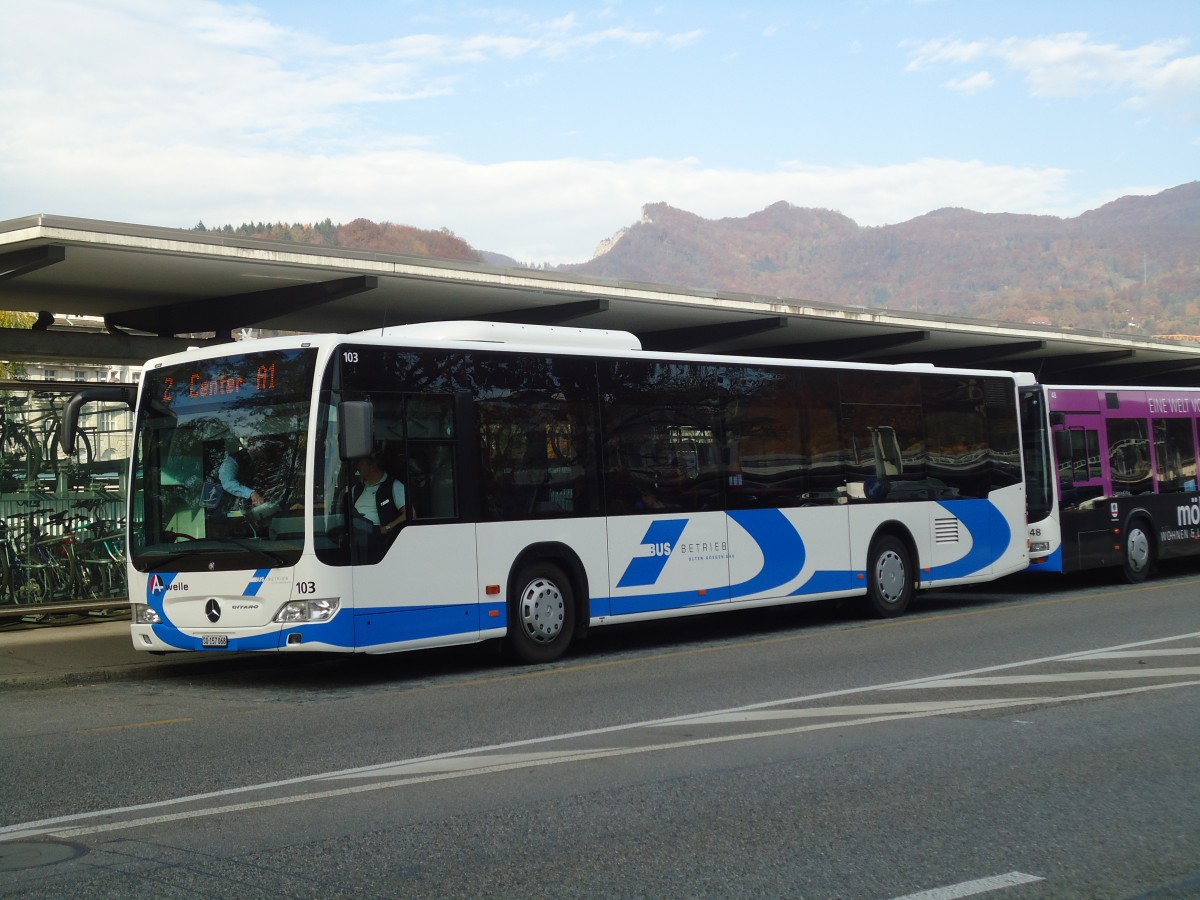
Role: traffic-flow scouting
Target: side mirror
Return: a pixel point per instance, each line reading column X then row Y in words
column 69, row 424
column 356, row 428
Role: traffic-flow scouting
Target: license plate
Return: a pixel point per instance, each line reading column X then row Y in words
column 214, row 640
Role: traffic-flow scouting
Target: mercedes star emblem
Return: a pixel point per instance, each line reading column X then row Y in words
column 212, row 609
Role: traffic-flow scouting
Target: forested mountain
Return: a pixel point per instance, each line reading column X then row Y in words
column 361, row 234
column 1132, row 265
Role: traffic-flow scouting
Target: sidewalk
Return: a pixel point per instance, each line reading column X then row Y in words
column 84, row 653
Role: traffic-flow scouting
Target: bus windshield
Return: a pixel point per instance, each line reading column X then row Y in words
column 218, row 480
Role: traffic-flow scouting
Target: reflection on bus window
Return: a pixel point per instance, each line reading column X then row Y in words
column 221, row 447
column 1175, row 455
column 661, row 447
column 1129, row 456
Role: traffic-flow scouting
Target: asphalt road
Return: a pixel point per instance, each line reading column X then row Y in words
column 1029, row 739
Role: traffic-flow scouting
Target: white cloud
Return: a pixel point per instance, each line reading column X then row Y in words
column 1072, row 64
column 972, row 84
column 115, row 110
column 684, row 38
column 196, row 70
column 535, row 211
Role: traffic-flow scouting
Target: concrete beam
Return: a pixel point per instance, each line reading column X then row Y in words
column 23, row 345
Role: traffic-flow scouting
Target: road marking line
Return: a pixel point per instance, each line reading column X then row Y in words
column 1136, row 654
column 45, row 826
column 452, row 768
column 995, row 680
column 865, row 709
column 104, row 728
column 970, row 888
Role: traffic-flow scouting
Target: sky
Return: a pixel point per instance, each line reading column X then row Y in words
column 538, row 129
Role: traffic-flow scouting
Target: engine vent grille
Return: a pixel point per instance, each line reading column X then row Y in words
column 945, row 531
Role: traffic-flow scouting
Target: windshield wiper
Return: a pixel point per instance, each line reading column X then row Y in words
column 160, row 565
column 242, row 544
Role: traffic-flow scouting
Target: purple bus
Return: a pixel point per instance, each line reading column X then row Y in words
column 1110, row 476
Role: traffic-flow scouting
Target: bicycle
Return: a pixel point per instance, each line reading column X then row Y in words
column 30, row 440
column 100, row 549
column 22, row 580
column 20, row 448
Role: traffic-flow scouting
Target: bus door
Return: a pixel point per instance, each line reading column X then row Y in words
column 671, row 551
column 1086, row 518
column 664, row 488
column 415, row 583
column 786, row 486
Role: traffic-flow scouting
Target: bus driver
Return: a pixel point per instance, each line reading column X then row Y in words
column 379, row 498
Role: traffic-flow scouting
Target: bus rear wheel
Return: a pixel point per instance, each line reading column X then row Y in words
column 889, row 577
column 1139, row 552
column 541, row 616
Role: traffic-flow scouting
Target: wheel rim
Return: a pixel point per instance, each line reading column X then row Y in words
column 543, row 610
column 1137, row 550
column 890, row 577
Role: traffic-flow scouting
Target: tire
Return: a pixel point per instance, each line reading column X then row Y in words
column 22, row 457
column 34, row 587
column 541, row 614
column 83, row 450
column 889, row 578
column 1137, row 558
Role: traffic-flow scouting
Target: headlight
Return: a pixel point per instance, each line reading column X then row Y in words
column 307, row 611
column 1039, row 547
column 145, row 615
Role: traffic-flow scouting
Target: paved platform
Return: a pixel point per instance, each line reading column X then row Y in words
column 82, row 651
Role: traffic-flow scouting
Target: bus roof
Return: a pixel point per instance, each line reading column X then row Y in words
column 514, row 333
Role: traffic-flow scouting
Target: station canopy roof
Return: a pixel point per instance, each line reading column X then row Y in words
column 152, row 285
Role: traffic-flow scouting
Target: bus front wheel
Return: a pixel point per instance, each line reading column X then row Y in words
column 541, row 618
column 1139, row 552
column 889, row 577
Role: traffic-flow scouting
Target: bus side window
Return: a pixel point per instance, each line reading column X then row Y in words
column 429, row 464
column 431, row 488
column 537, row 442
column 661, row 441
column 1079, row 456
column 1092, row 440
column 1062, row 453
column 1174, row 455
column 1129, row 456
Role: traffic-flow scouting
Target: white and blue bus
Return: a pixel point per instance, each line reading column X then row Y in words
column 554, row 480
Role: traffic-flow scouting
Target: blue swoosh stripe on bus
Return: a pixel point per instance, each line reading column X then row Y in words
column 990, row 537
column 154, row 599
column 644, row 570
column 781, row 545
column 1051, row 563
column 386, row 626
column 828, row 582
column 257, row 580
column 640, row 603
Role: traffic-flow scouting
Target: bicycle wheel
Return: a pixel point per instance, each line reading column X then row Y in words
column 33, row 586
column 83, row 450
column 21, row 456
